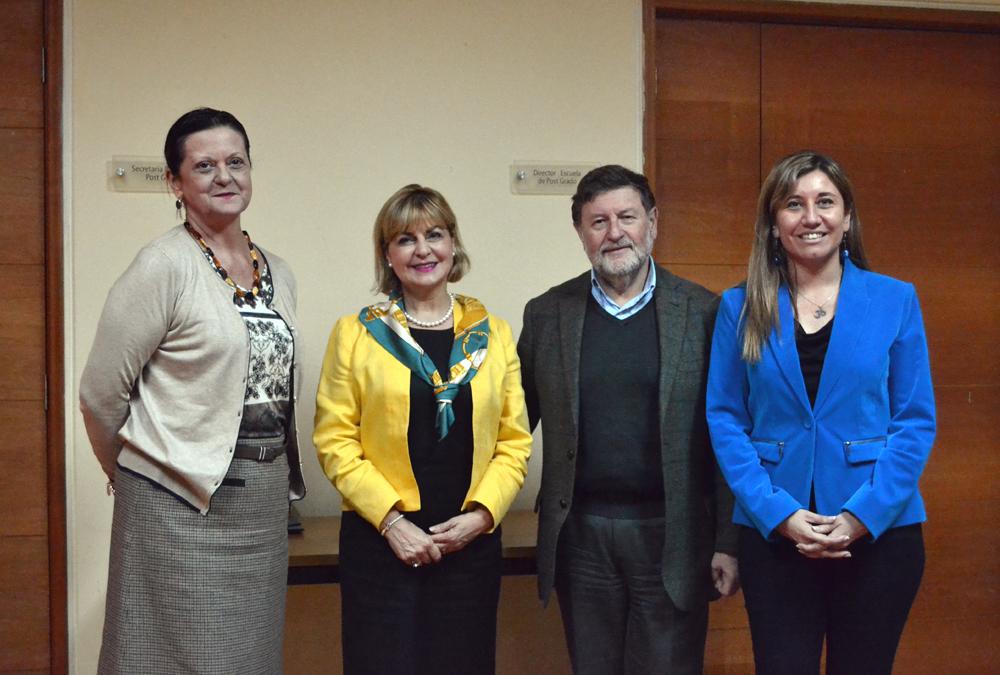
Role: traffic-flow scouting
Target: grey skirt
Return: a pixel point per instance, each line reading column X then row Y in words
column 198, row 594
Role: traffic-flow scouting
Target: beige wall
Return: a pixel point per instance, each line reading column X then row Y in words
column 344, row 102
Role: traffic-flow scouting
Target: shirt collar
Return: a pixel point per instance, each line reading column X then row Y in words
column 632, row 306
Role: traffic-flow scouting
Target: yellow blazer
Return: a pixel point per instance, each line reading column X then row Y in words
column 362, row 416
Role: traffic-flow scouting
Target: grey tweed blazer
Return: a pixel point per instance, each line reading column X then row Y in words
column 699, row 505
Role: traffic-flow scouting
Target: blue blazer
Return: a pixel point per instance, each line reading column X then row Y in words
column 863, row 446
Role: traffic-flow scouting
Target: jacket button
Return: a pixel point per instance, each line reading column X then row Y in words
column 807, row 424
column 563, row 503
column 571, row 454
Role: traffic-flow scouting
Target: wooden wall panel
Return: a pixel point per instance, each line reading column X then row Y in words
column 714, row 277
column 22, row 336
column 21, row 194
column 913, row 118
column 22, row 504
column 963, row 503
column 706, row 135
column 25, row 636
column 21, row 63
column 55, row 422
column 955, row 618
column 962, row 334
column 24, row 597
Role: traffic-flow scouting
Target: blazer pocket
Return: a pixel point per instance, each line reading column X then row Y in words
column 864, row 450
column 769, row 451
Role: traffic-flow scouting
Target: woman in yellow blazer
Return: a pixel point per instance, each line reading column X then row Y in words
column 421, row 426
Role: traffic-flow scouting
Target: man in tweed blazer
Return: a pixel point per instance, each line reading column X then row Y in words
column 634, row 528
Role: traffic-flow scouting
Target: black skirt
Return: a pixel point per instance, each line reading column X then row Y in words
column 398, row 619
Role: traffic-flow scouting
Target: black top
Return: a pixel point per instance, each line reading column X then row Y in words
column 812, row 353
column 619, row 469
column 443, row 469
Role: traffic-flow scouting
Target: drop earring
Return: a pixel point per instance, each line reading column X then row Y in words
column 776, row 250
column 178, row 205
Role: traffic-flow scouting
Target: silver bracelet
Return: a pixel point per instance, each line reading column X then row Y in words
column 388, row 526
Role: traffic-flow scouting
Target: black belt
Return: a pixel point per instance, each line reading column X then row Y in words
column 259, row 453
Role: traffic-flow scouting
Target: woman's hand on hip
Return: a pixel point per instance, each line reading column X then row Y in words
column 455, row 533
column 412, row 546
column 813, row 535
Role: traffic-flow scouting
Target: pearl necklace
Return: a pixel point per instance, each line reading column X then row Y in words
column 436, row 322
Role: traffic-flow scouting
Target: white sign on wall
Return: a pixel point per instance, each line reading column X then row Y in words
column 136, row 174
column 536, row 178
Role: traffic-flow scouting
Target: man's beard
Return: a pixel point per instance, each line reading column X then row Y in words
column 623, row 266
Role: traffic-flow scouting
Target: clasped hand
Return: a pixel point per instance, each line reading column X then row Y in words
column 415, row 547
column 817, row 536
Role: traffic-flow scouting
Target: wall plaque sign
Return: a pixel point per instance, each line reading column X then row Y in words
column 535, row 178
column 136, row 174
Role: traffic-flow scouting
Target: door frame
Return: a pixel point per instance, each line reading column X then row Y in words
column 776, row 11
column 55, row 419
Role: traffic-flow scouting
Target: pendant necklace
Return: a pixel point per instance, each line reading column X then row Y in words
column 436, row 322
column 240, row 297
column 820, row 312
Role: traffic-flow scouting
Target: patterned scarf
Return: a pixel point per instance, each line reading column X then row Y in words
column 387, row 324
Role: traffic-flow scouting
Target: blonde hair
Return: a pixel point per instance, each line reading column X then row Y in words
column 768, row 268
column 411, row 208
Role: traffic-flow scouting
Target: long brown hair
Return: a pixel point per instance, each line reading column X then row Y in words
column 768, row 268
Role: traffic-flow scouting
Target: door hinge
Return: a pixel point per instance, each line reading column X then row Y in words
column 45, row 400
column 43, row 65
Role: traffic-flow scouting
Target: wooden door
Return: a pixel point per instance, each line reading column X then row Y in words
column 913, row 116
column 32, row 635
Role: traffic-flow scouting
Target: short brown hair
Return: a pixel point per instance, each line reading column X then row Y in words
column 409, row 208
column 605, row 179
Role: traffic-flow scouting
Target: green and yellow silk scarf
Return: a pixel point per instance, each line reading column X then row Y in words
column 386, row 323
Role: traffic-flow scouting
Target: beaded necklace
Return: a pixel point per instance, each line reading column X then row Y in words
column 240, row 297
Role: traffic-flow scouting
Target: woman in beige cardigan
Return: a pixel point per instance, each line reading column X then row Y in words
column 188, row 399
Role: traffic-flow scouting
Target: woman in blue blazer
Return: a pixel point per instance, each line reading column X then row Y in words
column 821, row 413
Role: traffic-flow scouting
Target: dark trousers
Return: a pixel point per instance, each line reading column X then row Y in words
column 617, row 616
column 402, row 620
column 859, row 604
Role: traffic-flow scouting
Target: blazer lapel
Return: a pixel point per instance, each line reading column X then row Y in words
column 671, row 319
column 572, row 309
column 785, row 351
column 848, row 326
